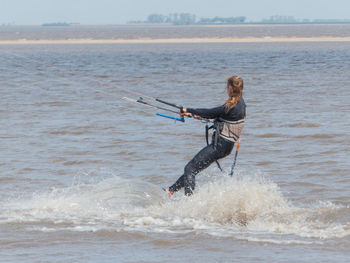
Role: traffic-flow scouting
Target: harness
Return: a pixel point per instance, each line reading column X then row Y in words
column 229, row 130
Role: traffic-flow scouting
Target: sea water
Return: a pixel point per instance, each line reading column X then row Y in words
column 82, row 170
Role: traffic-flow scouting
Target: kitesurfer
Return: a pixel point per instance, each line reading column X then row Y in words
column 228, row 123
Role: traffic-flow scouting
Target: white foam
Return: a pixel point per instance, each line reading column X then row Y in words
column 248, row 207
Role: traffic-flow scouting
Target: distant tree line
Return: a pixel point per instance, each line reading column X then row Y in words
column 176, row 19
column 59, row 24
column 190, row 19
column 292, row 20
column 280, row 19
column 222, row 20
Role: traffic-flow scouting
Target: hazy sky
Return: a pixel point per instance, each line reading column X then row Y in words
column 122, row 11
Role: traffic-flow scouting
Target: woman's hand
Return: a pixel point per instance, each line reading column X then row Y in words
column 183, row 112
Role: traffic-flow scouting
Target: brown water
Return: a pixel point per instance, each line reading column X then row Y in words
column 160, row 31
column 82, row 170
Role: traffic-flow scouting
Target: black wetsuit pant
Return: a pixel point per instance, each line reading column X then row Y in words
column 202, row 160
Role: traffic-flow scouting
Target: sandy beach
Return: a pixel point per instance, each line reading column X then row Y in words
column 177, row 40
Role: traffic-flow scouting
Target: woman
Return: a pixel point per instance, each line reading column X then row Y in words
column 229, row 121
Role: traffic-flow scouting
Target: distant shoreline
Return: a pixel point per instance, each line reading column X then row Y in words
column 176, row 40
column 77, row 25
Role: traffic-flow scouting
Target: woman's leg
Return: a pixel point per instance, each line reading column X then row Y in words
column 178, row 184
column 202, row 160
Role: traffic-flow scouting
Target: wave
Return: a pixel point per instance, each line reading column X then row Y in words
column 245, row 207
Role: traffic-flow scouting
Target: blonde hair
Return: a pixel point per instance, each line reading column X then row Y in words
column 234, row 91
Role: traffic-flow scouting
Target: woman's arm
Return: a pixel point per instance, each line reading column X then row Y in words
column 208, row 113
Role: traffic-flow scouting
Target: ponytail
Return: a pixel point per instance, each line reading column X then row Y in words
column 234, row 91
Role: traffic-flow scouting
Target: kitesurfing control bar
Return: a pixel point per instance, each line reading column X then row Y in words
column 175, row 106
column 142, row 102
column 170, row 104
column 171, row 117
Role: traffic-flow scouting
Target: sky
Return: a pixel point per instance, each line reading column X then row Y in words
column 37, row 12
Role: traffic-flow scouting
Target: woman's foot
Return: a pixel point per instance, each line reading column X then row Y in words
column 170, row 193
